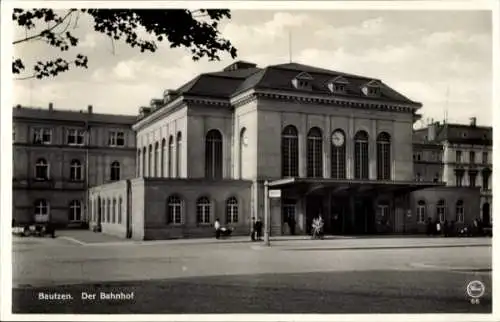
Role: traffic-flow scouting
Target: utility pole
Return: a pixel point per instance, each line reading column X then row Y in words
column 267, row 218
column 290, row 46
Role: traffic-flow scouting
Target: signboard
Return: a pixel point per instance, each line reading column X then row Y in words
column 274, row 193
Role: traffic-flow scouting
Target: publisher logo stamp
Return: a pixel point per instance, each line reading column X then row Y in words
column 475, row 290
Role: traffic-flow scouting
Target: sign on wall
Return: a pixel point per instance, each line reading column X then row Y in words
column 274, row 193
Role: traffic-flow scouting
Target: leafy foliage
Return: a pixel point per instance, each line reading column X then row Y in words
column 195, row 30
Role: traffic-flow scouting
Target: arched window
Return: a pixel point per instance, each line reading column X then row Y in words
column 290, row 152
column 75, row 170
column 314, row 153
column 421, row 212
column 361, row 157
column 108, row 211
column 441, row 210
column 144, row 163
column 338, row 164
column 138, row 171
column 243, row 144
column 459, row 210
column 113, row 213
column 179, row 154
column 384, row 156
column 486, row 178
column 75, row 211
column 203, row 210
column 213, row 155
column 41, row 169
column 120, row 209
column 115, row 171
column 150, row 161
column 171, row 148
column 174, row 210
column 41, row 210
column 157, row 160
column 163, row 156
column 232, row 210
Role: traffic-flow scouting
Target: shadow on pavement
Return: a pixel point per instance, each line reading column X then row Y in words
column 324, row 292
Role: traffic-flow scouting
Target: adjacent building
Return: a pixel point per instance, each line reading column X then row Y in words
column 58, row 155
column 461, row 156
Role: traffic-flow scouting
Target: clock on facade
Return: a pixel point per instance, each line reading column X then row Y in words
column 338, row 138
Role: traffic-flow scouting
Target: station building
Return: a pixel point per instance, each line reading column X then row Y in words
column 332, row 143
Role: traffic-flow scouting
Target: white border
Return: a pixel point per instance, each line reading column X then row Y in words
column 6, row 148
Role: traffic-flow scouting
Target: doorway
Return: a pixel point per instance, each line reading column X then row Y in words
column 288, row 213
column 486, row 214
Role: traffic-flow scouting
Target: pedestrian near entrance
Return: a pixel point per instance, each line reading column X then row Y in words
column 438, row 228
column 291, row 224
column 253, row 230
column 217, row 228
column 258, row 228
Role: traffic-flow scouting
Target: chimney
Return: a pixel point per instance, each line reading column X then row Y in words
column 431, row 131
column 51, row 106
column 18, row 106
column 473, row 121
column 89, row 109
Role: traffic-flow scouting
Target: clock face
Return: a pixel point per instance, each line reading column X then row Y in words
column 338, row 138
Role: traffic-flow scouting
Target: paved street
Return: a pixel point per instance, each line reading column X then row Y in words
column 339, row 275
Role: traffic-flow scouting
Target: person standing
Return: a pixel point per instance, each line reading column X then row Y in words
column 291, row 224
column 217, row 228
column 253, row 229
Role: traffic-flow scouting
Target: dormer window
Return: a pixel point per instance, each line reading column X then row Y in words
column 302, row 81
column 338, row 85
column 372, row 89
column 168, row 95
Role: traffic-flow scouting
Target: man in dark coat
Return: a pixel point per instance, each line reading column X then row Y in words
column 258, row 228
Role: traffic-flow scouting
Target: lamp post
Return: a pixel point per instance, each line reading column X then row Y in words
column 267, row 217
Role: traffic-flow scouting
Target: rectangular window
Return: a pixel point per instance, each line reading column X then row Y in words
column 472, row 157
column 459, row 178
column 42, row 136
column 472, row 179
column 116, row 138
column 485, row 158
column 76, row 137
column 458, row 157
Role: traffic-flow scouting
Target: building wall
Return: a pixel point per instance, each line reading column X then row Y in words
column 450, row 195
column 59, row 154
column 154, row 212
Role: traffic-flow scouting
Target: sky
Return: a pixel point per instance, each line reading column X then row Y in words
column 442, row 59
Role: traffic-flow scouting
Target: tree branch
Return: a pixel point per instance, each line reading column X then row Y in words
column 44, row 31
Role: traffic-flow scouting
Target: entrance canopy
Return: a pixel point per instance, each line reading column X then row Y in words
column 347, row 186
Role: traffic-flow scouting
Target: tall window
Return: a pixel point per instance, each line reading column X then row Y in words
column 243, row 144
column 144, row 162
column 383, row 156
column 113, row 214
column 75, row 211
column 108, row 211
column 139, row 160
column 41, row 169
column 150, row 161
column 458, row 156
column 115, row 171
column 76, row 170
column 42, row 136
column 441, row 210
column 116, row 138
column 459, row 176
column 361, row 155
column 213, row 155
column 203, row 210
column 76, row 137
column 338, row 155
column 232, row 210
column 472, row 178
column 179, row 154
column 421, row 211
column 120, row 209
column 314, row 153
column 157, row 160
column 290, row 152
column 163, row 156
column 174, row 210
column 486, row 178
column 460, row 211
column 472, row 157
column 41, row 210
column 171, row 148
column 485, row 158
